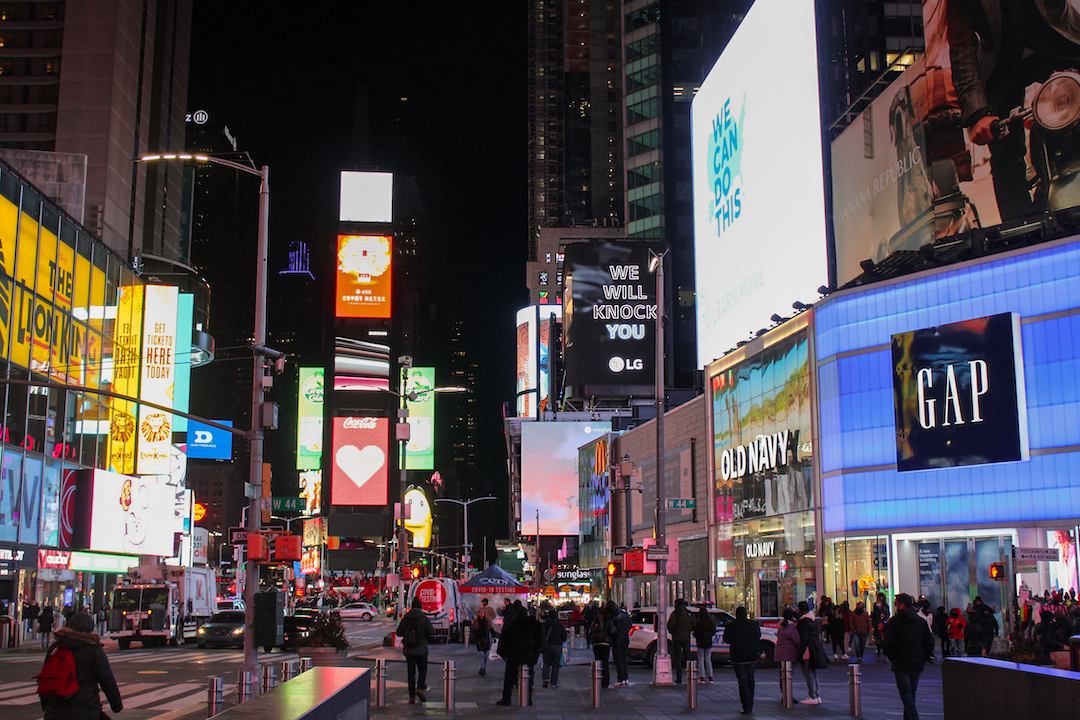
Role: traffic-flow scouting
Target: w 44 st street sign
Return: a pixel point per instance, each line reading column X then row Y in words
column 681, row 503
column 288, row 505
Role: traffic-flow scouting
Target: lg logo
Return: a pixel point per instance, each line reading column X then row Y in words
column 203, row 437
column 618, row 364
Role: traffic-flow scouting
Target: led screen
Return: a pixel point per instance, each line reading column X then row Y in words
column 309, row 419
column 206, row 442
column 549, row 474
column 533, row 342
column 360, row 461
column 157, row 378
column 419, row 523
column 122, row 514
column 361, row 365
column 363, row 276
column 366, row 197
column 420, row 449
column 759, row 208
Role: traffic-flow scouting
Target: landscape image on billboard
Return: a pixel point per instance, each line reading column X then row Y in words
column 549, row 474
column 363, row 276
column 928, row 158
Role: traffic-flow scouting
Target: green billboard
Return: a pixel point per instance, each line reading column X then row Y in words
column 420, row 449
column 309, row 419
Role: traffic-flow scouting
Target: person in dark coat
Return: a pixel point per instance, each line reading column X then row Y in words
column 742, row 636
column 704, row 630
column 620, row 642
column 680, row 625
column 812, row 655
column 415, row 631
column 554, row 635
column 941, row 629
column 879, row 615
column 592, row 610
column 908, row 643
column 92, row 671
column 481, row 634
column 984, row 615
column 599, row 637
column 45, row 621
column 521, row 643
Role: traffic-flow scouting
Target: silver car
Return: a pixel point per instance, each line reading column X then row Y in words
column 643, row 636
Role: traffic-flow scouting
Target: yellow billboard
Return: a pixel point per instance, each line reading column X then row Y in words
column 157, row 374
column 127, row 345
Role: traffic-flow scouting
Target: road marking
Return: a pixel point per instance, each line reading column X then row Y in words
column 167, row 692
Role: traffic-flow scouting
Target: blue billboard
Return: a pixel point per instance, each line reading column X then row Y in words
column 209, row 443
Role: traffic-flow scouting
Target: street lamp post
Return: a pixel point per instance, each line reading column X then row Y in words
column 626, row 468
column 465, row 507
column 253, row 491
column 662, row 664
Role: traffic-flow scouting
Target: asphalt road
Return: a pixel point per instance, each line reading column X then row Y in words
column 153, row 681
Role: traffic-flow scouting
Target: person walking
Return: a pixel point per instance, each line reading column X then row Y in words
column 102, row 619
column 599, row 639
column 787, row 640
column 908, row 643
column 554, row 638
column 680, row 625
column 812, row 655
column 837, row 620
column 415, row 632
column 879, row 615
column 956, row 626
column 481, row 632
column 940, row 628
column 45, row 622
column 520, row 645
column 620, row 643
column 984, row 615
column 860, row 630
column 33, row 612
column 589, row 616
column 93, row 674
column 704, row 630
column 742, row 636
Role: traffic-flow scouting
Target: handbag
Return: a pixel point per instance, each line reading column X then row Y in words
column 564, row 656
column 494, row 653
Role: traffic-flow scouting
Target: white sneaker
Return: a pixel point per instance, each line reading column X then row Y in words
column 810, row 701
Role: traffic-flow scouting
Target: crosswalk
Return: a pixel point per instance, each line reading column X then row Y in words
column 162, row 656
column 158, row 695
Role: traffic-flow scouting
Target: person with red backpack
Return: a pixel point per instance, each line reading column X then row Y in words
column 75, row 668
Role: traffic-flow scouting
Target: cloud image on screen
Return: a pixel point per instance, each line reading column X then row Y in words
column 549, row 474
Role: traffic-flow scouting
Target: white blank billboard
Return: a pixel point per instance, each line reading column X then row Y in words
column 759, row 207
column 366, row 197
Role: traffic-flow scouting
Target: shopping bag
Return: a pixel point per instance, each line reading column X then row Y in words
column 564, row 657
column 494, row 653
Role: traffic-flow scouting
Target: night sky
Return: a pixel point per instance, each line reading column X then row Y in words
column 285, row 83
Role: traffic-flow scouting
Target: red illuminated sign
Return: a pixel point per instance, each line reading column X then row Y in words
column 360, row 461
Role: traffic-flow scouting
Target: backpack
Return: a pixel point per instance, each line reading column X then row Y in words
column 58, row 678
column 412, row 634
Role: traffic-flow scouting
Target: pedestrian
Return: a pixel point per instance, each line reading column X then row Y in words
column 984, row 615
column 45, row 621
column 812, row 655
column 102, row 618
column 67, row 612
column 589, row 616
column 742, row 636
column 415, row 632
column 879, row 615
column 973, row 634
column 940, row 628
column 554, row 638
column 908, row 643
column 32, row 613
column 787, row 639
column 824, row 614
column 860, row 629
column 93, row 674
column 837, row 622
column 599, row 639
column 519, row 646
column 680, row 624
column 620, row 643
column 956, row 626
column 927, row 616
column 704, row 630
column 481, row 631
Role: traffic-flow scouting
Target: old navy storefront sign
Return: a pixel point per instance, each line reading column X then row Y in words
column 958, row 394
column 765, row 453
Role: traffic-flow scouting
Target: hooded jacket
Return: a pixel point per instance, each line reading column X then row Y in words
column 93, row 672
column 620, row 627
column 742, row 635
column 908, row 641
column 424, row 633
column 521, row 640
column 810, row 639
column 680, row 624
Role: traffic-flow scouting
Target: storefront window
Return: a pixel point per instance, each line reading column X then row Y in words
column 856, row 569
column 777, row 566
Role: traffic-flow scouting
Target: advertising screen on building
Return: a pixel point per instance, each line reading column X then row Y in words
column 549, row 474
column 420, row 449
column 366, row 197
column 533, row 342
column 419, row 523
column 364, row 265
column 758, row 186
column 206, row 442
column 594, row 479
column 360, row 461
column 123, row 514
column 610, row 314
column 309, row 418
column 361, row 365
column 157, row 378
column 310, row 491
column 921, row 163
column 124, row 366
column 958, row 394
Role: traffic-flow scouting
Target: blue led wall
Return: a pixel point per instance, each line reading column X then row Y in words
column 861, row 489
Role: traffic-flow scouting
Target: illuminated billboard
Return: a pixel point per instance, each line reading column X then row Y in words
column 157, row 378
column 361, row 365
column 309, row 419
column 420, row 517
column 360, row 461
column 366, row 197
column 420, row 449
column 310, row 491
column 363, row 276
column 533, row 341
column 117, row 513
column 758, row 184
column 124, row 367
column 549, row 474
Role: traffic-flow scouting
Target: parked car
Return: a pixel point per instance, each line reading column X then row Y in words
column 225, row 628
column 230, row 604
column 297, row 627
column 643, row 636
column 357, row 611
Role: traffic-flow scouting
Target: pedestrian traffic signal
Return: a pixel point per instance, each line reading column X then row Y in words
column 414, row 572
column 614, row 569
column 997, row 571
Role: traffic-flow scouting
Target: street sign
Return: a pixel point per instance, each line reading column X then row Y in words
column 288, row 505
column 618, row 550
column 681, row 503
column 237, row 536
column 1037, row 554
column 657, row 552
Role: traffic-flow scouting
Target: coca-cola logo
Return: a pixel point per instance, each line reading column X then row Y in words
column 363, row 423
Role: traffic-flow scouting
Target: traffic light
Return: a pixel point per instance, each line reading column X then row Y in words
column 614, row 569
column 414, row 572
column 997, row 571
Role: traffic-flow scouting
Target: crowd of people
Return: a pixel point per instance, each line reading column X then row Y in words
column 1050, row 620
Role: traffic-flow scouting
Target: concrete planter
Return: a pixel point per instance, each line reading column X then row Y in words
column 323, row 656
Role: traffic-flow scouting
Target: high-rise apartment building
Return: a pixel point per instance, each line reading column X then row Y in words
column 669, row 46
column 575, row 168
column 106, row 79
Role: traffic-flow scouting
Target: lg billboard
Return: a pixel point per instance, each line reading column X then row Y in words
column 360, row 461
column 758, row 185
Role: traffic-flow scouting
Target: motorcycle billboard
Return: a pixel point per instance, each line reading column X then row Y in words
column 980, row 130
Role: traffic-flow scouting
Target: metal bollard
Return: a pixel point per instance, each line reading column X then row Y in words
column 380, row 682
column 244, row 683
column 597, row 674
column 854, row 690
column 305, row 664
column 215, row 690
column 786, row 698
column 449, row 676
column 269, row 677
column 466, row 635
column 691, row 685
column 287, row 670
column 523, row 687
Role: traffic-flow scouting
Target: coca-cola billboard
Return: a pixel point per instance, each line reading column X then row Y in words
column 360, row 461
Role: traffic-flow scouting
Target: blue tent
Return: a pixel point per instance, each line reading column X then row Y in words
column 492, row 581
